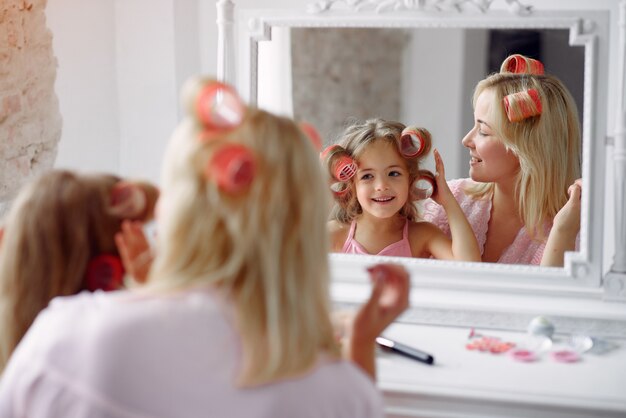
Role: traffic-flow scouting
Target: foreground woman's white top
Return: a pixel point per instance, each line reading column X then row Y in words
column 129, row 354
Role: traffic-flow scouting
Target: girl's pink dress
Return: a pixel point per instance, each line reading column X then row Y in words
column 400, row 248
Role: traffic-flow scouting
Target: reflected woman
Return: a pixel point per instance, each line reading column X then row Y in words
column 523, row 197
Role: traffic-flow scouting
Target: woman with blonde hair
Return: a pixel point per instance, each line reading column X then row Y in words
column 234, row 319
column 523, row 195
column 58, row 239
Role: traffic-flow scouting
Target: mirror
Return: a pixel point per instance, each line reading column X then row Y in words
column 584, row 37
column 401, row 74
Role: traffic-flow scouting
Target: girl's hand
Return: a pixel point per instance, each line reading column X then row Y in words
column 134, row 250
column 443, row 194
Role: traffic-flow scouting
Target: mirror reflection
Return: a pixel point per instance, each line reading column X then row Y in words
column 423, row 77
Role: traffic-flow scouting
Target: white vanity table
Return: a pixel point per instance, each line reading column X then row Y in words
column 465, row 383
column 447, row 298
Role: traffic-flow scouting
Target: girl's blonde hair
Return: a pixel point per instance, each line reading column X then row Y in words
column 265, row 248
column 55, row 226
column 354, row 140
column 547, row 145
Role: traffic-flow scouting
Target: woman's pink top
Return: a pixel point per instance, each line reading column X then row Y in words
column 523, row 250
column 400, row 248
column 132, row 354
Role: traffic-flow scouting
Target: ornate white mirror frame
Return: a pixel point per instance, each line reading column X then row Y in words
column 483, row 294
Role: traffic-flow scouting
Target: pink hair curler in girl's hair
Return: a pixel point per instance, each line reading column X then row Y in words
column 104, row 272
column 232, row 167
column 128, row 200
column 413, row 142
column 521, row 105
column 518, row 64
column 218, row 107
column 341, row 165
column 311, row 133
column 424, row 185
column 339, row 188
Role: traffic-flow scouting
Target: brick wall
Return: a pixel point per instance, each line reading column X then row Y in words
column 30, row 121
column 347, row 73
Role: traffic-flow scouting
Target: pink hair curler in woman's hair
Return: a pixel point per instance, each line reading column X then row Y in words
column 413, row 142
column 519, row 64
column 522, row 105
column 424, row 185
column 217, row 106
column 341, row 165
column 232, row 167
column 104, row 272
column 311, row 133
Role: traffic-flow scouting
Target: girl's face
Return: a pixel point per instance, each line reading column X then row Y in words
column 382, row 180
column 490, row 161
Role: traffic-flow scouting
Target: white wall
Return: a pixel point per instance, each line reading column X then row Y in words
column 121, row 64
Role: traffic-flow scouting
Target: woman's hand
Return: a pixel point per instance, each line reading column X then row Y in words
column 565, row 228
column 568, row 218
column 134, row 250
column 443, row 195
column 389, row 298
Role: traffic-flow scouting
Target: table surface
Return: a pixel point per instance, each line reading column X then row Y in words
column 596, row 382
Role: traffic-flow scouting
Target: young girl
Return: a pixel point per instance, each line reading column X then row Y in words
column 523, row 194
column 58, row 240
column 234, row 319
column 375, row 209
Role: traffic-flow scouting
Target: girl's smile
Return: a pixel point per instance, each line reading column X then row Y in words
column 382, row 180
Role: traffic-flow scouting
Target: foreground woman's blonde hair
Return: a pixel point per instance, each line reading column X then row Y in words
column 265, row 249
column 547, row 145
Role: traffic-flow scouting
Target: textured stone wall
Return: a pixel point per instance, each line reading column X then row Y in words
column 30, row 121
column 338, row 74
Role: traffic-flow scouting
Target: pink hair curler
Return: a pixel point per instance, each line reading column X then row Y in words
column 104, row 272
column 519, row 64
column 232, row 167
column 343, row 168
column 218, row 107
column 311, row 133
column 341, row 165
column 424, row 185
column 412, row 142
column 128, row 200
column 522, row 105
column 339, row 188
column 329, row 150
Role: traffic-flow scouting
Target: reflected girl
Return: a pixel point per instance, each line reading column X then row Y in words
column 377, row 165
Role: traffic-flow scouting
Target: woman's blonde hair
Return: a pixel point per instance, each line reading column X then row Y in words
column 547, row 145
column 55, row 226
column 265, row 248
column 354, row 140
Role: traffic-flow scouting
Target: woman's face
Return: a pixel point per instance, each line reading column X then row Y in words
column 382, row 180
column 490, row 161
